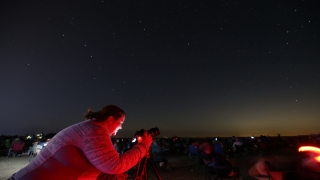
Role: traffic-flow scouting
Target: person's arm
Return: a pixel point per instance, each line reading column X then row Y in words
column 106, row 159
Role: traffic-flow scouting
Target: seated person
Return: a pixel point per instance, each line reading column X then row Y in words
column 16, row 140
column 195, row 143
column 213, row 160
column 236, row 143
column 32, row 147
column 218, row 148
column 43, row 144
column 16, row 147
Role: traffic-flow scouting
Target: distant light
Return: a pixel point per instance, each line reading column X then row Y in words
column 252, row 137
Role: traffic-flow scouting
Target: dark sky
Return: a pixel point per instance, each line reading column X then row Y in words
column 191, row 68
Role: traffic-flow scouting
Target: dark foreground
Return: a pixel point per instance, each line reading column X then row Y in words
column 183, row 167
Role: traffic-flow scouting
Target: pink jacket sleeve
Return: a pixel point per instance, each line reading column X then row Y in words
column 99, row 150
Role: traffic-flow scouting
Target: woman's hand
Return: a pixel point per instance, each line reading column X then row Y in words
column 145, row 139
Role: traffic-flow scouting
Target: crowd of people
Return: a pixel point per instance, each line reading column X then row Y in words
column 223, row 145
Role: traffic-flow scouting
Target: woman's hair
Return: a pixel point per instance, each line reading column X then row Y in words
column 105, row 112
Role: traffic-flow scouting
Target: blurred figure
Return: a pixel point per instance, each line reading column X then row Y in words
column 213, row 160
column 236, row 143
column 16, row 147
column 16, row 140
column 158, row 154
column 119, row 145
column 116, row 146
column 218, row 147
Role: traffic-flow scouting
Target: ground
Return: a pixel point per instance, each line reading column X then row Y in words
column 183, row 167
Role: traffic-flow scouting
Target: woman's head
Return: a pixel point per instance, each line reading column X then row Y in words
column 111, row 117
column 105, row 113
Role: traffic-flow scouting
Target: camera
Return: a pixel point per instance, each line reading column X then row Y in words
column 153, row 132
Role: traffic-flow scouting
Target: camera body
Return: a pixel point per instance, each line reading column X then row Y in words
column 153, row 132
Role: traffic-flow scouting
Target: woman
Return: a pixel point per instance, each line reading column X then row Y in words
column 85, row 150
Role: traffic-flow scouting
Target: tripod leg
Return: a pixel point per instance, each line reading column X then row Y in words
column 141, row 169
column 155, row 169
column 145, row 173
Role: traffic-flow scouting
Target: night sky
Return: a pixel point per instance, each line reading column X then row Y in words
column 191, row 68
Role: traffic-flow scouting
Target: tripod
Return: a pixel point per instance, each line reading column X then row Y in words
column 142, row 171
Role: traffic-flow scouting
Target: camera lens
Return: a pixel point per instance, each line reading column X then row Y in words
column 154, row 131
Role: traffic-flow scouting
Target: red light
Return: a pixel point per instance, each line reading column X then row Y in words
column 309, row 148
column 139, row 138
column 312, row 149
